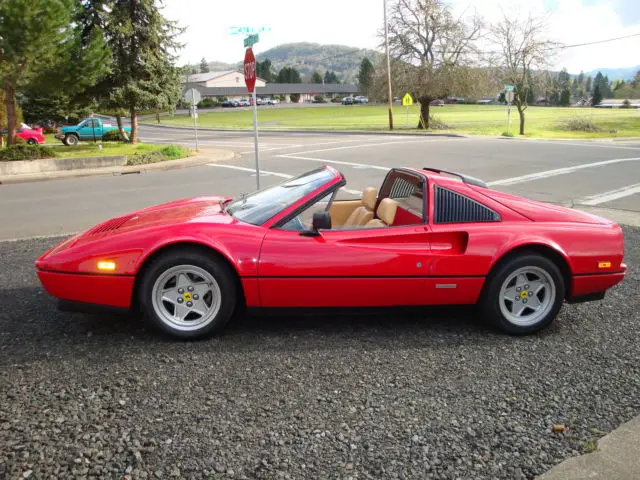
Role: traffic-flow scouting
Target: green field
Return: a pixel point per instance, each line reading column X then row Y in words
column 463, row 119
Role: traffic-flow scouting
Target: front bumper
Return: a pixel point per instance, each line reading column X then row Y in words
column 107, row 290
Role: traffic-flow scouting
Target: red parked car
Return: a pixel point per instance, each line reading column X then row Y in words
column 425, row 237
column 30, row 135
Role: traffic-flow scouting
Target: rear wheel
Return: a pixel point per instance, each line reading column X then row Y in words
column 524, row 294
column 31, row 141
column 188, row 294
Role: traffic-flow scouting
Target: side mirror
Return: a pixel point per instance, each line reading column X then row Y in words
column 321, row 220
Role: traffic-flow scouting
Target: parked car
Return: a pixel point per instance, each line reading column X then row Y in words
column 360, row 99
column 424, row 237
column 33, row 136
column 87, row 129
column 229, row 103
column 437, row 103
column 347, row 101
column 243, row 102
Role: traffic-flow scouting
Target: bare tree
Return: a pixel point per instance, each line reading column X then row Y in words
column 434, row 45
column 523, row 47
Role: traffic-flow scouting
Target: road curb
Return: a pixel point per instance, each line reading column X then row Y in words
column 213, row 155
column 325, row 132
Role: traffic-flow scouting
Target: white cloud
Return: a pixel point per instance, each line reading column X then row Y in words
column 356, row 23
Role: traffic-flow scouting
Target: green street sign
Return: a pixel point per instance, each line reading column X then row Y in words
column 250, row 40
column 509, row 88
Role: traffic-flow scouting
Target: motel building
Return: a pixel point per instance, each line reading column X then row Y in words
column 230, row 84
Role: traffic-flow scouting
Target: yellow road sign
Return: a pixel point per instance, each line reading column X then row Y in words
column 407, row 101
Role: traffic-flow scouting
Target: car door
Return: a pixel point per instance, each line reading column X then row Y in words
column 88, row 129
column 354, row 267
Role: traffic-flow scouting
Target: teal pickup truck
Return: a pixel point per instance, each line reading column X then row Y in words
column 90, row 129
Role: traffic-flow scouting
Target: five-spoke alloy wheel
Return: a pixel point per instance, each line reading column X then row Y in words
column 188, row 293
column 523, row 294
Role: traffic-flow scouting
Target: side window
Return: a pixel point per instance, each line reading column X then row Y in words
column 453, row 207
column 408, row 192
column 304, row 220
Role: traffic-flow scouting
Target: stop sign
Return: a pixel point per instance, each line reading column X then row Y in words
column 249, row 70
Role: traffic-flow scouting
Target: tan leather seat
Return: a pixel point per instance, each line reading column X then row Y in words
column 386, row 214
column 361, row 215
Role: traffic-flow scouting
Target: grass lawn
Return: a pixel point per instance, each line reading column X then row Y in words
column 464, row 119
column 116, row 148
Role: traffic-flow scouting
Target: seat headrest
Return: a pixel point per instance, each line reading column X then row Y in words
column 387, row 210
column 369, row 197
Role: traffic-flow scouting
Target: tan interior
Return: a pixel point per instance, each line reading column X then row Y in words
column 363, row 214
column 386, row 214
column 341, row 210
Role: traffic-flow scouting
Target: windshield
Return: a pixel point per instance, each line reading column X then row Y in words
column 259, row 207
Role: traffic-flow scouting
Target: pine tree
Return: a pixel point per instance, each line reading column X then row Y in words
column 366, row 76
column 330, row 77
column 289, row 75
column 204, row 66
column 565, row 97
column 263, row 69
column 143, row 43
column 32, row 33
column 597, row 96
column 316, row 78
column 587, row 85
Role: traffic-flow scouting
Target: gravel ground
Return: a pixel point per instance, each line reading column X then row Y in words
column 403, row 396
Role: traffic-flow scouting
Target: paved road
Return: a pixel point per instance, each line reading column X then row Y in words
column 583, row 174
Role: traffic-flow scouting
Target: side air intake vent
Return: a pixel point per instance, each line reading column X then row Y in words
column 451, row 207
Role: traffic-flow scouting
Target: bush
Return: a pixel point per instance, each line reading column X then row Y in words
column 207, row 103
column 173, row 152
column 26, row 152
column 49, row 130
column 147, row 157
column 626, row 104
column 112, row 136
column 507, row 134
column 581, row 125
column 336, row 100
column 436, row 124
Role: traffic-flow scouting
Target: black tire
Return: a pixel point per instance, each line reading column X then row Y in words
column 71, row 140
column 221, row 273
column 31, row 141
column 491, row 294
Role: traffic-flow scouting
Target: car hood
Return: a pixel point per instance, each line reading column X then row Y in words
column 540, row 211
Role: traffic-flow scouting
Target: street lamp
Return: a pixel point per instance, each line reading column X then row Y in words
column 386, row 42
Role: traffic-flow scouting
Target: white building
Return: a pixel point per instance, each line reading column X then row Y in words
column 228, row 78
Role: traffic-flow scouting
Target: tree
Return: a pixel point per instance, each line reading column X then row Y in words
column 264, row 71
column 524, row 47
column 143, row 43
column 204, row 66
column 434, row 44
column 587, row 85
column 597, row 96
column 316, row 78
column 565, row 97
column 365, row 76
column 289, row 75
column 330, row 77
column 31, row 35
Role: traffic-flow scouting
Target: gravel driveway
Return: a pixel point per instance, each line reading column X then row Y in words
column 395, row 395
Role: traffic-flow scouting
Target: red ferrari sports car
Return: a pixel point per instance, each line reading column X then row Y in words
column 425, row 237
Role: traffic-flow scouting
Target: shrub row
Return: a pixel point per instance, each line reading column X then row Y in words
column 170, row 152
column 25, row 152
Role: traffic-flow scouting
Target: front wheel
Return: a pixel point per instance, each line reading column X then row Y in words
column 524, row 294
column 188, row 294
column 71, row 140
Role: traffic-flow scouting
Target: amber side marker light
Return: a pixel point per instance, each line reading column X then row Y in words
column 107, row 266
column 604, row 264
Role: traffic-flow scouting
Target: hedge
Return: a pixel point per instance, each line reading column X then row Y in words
column 25, row 152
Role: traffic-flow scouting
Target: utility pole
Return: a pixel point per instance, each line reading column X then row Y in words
column 386, row 41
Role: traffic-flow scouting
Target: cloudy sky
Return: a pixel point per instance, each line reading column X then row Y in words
column 210, row 26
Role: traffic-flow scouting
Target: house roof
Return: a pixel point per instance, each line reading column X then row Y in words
column 279, row 89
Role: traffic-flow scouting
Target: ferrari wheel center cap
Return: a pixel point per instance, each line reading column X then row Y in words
column 187, row 296
column 523, row 295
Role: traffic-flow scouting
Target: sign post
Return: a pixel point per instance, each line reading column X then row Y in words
column 250, row 80
column 193, row 96
column 407, row 101
column 509, row 98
